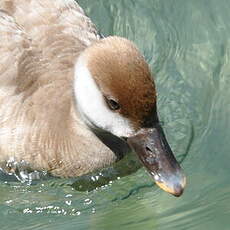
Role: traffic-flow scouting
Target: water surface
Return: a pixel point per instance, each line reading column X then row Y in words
column 187, row 46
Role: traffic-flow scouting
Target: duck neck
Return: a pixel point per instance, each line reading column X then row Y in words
column 116, row 144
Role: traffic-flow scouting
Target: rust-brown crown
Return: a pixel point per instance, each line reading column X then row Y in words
column 121, row 72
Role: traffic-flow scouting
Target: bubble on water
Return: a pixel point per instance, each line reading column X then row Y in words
column 68, row 195
column 27, row 211
column 93, row 210
column 68, row 202
column 9, row 201
column 87, row 201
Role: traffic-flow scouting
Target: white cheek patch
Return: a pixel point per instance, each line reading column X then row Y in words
column 91, row 104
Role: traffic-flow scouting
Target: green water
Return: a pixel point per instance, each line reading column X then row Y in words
column 187, row 44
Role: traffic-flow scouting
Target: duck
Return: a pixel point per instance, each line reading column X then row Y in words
column 66, row 93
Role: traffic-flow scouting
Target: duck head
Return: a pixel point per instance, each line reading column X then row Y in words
column 115, row 92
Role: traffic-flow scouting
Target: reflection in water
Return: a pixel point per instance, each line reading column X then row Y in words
column 187, row 45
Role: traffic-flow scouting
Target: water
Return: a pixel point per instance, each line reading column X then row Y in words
column 187, row 46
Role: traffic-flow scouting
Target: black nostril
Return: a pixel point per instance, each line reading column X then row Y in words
column 150, row 152
column 148, row 149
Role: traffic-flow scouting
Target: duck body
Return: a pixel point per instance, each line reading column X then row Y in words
column 40, row 42
column 71, row 102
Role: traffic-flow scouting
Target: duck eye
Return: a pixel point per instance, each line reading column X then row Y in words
column 113, row 104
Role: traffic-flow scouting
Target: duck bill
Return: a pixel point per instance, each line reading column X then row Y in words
column 156, row 155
